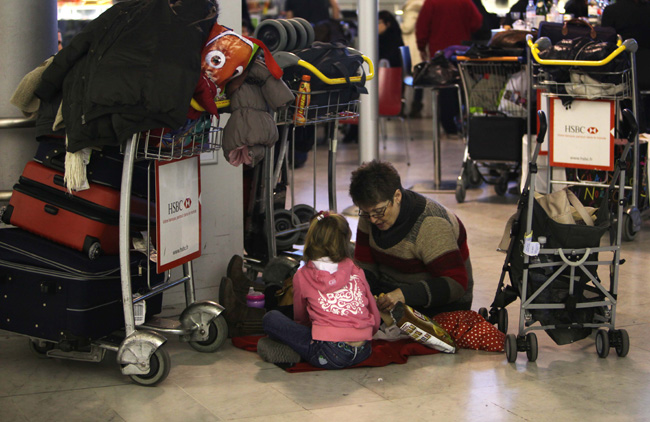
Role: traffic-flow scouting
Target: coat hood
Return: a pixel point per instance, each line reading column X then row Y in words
column 331, row 277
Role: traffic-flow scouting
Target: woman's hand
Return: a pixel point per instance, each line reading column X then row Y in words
column 387, row 301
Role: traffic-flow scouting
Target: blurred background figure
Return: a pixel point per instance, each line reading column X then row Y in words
column 490, row 21
column 411, row 11
column 313, row 10
column 390, row 39
column 577, row 8
column 442, row 23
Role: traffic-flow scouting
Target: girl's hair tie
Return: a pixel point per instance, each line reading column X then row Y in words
column 322, row 214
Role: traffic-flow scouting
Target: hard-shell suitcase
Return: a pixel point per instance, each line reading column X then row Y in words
column 86, row 220
column 104, row 167
column 55, row 293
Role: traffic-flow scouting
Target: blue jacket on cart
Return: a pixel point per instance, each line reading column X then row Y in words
column 132, row 69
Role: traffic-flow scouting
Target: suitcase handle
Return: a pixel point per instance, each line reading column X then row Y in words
column 51, row 209
column 58, row 180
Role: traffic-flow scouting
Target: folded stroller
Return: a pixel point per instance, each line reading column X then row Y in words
column 552, row 269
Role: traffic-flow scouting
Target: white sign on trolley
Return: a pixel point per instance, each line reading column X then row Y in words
column 178, row 212
column 582, row 136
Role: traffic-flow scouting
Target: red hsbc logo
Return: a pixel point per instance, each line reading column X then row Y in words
column 188, row 203
column 592, row 130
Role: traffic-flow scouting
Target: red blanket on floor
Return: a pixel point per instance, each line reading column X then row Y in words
column 467, row 328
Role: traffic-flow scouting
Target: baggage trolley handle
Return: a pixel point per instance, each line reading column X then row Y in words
column 544, row 43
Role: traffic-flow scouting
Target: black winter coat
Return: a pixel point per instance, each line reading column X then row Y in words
column 134, row 68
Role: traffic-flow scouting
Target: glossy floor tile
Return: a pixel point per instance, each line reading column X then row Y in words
column 566, row 383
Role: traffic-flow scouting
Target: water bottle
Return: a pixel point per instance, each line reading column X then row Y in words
column 302, row 101
column 530, row 15
column 540, row 12
column 254, row 299
column 554, row 14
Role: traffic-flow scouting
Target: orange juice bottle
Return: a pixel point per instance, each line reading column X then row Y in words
column 302, row 101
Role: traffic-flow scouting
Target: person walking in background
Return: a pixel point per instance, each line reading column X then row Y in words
column 313, row 10
column 411, row 10
column 390, row 39
column 442, row 23
column 335, row 314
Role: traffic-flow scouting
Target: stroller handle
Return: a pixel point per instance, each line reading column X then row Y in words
column 541, row 132
column 631, row 121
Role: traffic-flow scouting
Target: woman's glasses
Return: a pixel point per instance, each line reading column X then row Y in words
column 376, row 213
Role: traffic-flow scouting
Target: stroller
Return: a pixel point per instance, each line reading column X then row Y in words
column 553, row 270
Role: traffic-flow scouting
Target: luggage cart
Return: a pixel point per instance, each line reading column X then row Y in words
column 287, row 227
column 619, row 86
column 496, row 121
column 552, row 269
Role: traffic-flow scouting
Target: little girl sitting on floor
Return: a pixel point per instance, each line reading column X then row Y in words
column 335, row 314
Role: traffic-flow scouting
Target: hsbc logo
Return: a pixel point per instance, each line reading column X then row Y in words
column 592, row 130
column 176, row 206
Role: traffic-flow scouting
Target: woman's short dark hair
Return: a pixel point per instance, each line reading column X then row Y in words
column 328, row 236
column 374, row 182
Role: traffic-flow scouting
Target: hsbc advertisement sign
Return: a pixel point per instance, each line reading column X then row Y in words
column 582, row 136
column 178, row 193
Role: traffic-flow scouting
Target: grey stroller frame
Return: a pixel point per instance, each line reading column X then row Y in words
column 558, row 286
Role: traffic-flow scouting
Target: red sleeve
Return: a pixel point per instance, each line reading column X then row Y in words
column 475, row 17
column 362, row 252
column 422, row 26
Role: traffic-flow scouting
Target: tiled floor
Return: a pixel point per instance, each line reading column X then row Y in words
column 567, row 383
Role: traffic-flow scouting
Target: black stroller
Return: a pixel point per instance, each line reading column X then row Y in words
column 553, row 270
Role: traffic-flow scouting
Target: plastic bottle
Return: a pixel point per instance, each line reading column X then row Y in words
column 530, row 15
column 554, row 14
column 540, row 12
column 302, row 101
column 254, row 299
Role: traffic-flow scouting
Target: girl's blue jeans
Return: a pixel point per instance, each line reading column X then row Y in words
column 321, row 354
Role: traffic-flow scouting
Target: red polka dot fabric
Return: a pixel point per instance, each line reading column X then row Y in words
column 471, row 331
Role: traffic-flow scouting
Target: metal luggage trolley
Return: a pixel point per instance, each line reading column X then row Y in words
column 496, row 119
column 287, row 227
column 140, row 353
column 592, row 81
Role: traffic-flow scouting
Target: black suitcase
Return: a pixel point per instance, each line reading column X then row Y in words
column 575, row 28
column 495, row 138
column 55, row 293
column 104, row 167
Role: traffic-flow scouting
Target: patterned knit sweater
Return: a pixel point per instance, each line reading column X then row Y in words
column 424, row 254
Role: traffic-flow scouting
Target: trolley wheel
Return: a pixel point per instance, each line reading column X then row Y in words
column 159, row 366
column 622, row 342
column 217, row 335
column 311, row 35
column 501, row 186
column 460, row 192
column 474, row 175
column 273, row 34
column 628, row 228
column 531, row 347
column 40, row 348
column 301, row 34
column 602, row 343
column 502, row 322
column 292, row 37
column 304, row 214
column 511, row 348
column 94, row 250
column 484, row 313
column 283, row 221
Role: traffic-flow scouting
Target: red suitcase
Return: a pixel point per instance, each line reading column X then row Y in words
column 87, row 220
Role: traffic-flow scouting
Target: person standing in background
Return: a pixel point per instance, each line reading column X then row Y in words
column 577, row 8
column 390, row 39
column 442, row 23
column 411, row 11
column 313, row 10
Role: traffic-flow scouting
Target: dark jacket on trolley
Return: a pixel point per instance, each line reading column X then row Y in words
column 133, row 68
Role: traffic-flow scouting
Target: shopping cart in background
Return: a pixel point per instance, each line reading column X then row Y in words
column 496, row 108
column 277, row 223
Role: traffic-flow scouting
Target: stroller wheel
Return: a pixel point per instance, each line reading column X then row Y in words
column 460, row 192
column 531, row 347
column 511, row 348
column 292, row 37
column 629, row 232
column 502, row 323
column 484, row 313
column 501, row 186
column 602, row 343
column 622, row 343
column 474, row 175
column 273, row 34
